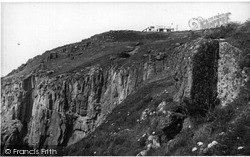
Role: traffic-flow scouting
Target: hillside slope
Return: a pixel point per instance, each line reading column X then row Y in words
column 129, row 93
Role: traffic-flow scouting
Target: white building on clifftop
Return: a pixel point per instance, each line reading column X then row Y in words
column 159, row 29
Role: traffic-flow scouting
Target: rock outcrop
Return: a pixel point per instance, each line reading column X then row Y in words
column 61, row 110
column 207, row 74
column 195, row 73
column 230, row 79
column 41, row 111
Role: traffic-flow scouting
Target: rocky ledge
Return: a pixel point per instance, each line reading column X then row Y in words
column 120, row 82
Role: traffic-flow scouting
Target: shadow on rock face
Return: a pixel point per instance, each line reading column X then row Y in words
column 169, row 120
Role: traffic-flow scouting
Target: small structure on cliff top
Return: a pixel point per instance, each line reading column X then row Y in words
column 159, row 29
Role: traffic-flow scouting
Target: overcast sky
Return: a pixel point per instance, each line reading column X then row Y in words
column 29, row 29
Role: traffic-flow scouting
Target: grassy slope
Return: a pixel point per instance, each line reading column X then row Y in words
column 119, row 134
column 229, row 126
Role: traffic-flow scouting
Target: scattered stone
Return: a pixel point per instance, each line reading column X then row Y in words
column 194, row 149
column 142, row 153
column 199, row 143
column 239, row 148
column 212, row 144
column 153, row 142
column 145, row 114
column 162, row 108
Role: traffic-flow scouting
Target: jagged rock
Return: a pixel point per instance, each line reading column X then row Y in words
column 168, row 120
column 162, row 108
column 40, row 111
column 52, row 107
column 171, row 124
column 11, row 135
column 153, row 142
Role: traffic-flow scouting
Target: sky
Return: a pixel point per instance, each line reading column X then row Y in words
column 30, row 29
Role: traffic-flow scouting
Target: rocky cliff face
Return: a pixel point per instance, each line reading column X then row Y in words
column 56, row 108
column 207, row 74
column 196, row 74
column 61, row 110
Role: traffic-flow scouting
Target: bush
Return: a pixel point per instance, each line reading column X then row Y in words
column 220, row 114
column 223, row 31
column 244, row 61
column 203, row 133
column 237, row 134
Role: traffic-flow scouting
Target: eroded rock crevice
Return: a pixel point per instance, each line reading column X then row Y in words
column 205, row 77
